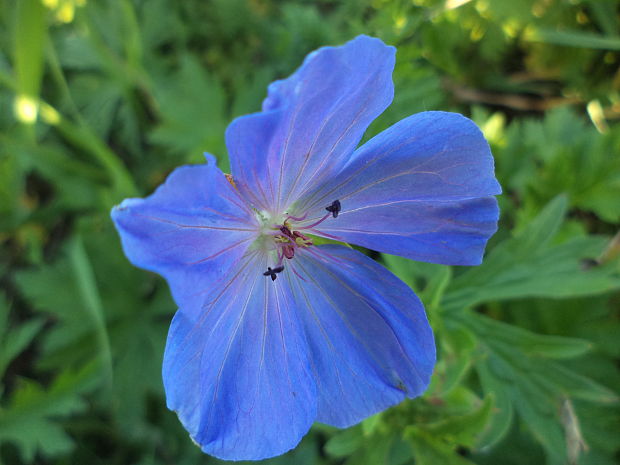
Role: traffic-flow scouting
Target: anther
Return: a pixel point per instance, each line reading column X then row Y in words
column 334, row 208
column 230, row 179
column 302, row 240
column 286, row 231
column 288, row 250
column 272, row 273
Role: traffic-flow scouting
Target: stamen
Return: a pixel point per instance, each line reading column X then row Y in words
column 325, row 257
column 286, row 231
column 323, row 233
column 288, row 250
column 296, row 273
column 334, row 208
column 302, row 240
column 273, row 272
column 230, row 179
column 315, row 223
column 295, row 218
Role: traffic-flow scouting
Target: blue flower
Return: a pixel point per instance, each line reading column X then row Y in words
column 274, row 332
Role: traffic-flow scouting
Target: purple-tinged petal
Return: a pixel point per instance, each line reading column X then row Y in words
column 311, row 122
column 370, row 343
column 422, row 189
column 239, row 377
column 191, row 230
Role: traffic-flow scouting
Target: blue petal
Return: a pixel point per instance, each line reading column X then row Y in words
column 311, row 122
column 191, row 230
column 239, row 376
column 370, row 342
column 421, row 189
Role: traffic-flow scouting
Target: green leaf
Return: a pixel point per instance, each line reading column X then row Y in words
column 52, row 289
column 76, row 291
column 192, row 106
column 528, row 265
column 462, row 429
column 458, row 345
column 380, row 448
column 501, row 420
column 14, row 339
column 31, row 418
column 87, row 140
column 29, row 39
column 429, row 450
column 541, row 230
column 605, row 15
column 531, row 344
column 344, row 443
column 562, row 153
column 516, row 366
column 83, row 276
column 370, row 424
column 429, row 280
column 14, row 342
column 573, row 39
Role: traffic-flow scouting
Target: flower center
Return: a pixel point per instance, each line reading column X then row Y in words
column 288, row 236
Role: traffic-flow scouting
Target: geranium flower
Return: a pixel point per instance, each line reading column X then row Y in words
column 273, row 331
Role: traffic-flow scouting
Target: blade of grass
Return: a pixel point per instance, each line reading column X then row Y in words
column 29, row 39
column 573, row 39
column 29, row 34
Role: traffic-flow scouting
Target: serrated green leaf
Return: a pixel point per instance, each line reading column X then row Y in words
column 520, row 372
column 136, row 325
column 13, row 343
column 192, row 106
column 14, row 339
column 30, row 419
column 527, row 265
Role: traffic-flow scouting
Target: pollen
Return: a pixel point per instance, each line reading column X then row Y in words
column 230, row 179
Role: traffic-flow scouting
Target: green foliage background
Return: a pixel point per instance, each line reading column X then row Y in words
column 101, row 99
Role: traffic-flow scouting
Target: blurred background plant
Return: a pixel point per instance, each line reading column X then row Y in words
column 101, row 99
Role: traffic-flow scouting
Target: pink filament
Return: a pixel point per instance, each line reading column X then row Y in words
column 294, row 218
column 316, row 223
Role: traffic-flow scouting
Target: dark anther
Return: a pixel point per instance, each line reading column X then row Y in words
column 288, row 251
column 334, row 208
column 272, row 273
column 286, row 231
